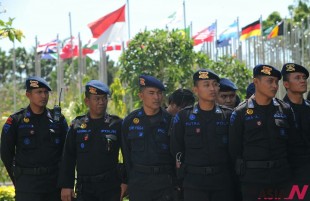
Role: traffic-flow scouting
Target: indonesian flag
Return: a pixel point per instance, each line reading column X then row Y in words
column 109, row 28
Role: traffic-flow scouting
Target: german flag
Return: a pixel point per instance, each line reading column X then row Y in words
column 276, row 31
column 253, row 29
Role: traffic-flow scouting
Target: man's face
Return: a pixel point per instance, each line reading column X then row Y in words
column 97, row 104
column 207, row 90
column 151, row 97
column 227, row 98
column 38, row 97
column 296, row 83
column 266, row 86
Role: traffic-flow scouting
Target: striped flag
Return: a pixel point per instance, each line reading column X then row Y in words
column 206, row 35
column 276, row 31
column 253, row 29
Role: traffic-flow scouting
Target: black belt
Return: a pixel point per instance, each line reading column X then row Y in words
column 153, row 169
column 96, row 178
column 203, row 170
column 36, row 170
column 265, row 164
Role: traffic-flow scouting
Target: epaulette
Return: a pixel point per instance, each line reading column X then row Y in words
column 307, row 102
column 78, row 121
column 133, row 114
column 224, row 107
column 113, row 119
column 283, row 103
column 20, row 111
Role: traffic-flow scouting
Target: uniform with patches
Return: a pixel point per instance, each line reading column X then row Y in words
column 31, row 148
column 201, row 137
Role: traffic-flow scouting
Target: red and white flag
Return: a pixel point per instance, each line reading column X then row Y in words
column 109, row 28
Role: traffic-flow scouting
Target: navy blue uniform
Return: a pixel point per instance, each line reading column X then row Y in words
column 92, row 147
column 149, row 164
column 202, row 139
column 31, row 148
column 258, row 144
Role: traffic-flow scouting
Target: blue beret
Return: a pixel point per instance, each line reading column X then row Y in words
column 292, row 68
column 266, row 70
column 35, row 82
column 250, row 90
column 96, row 87
column 205, row 74
column 227, row 85
column 150, row 81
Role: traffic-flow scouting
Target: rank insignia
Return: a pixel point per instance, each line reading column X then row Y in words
column 92, row 90
column 290, row 67
column 26, row 120
column 135, row 120
column 266, row 70
column 142, row 81
column 203, row 75
column 83, row 125
column 249, row 111
column 34, row 83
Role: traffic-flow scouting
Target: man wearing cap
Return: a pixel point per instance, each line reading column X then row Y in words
column 260, row 129
column 227, row 94
column 199, row 140
column 146, row 146
column 295, row 82
column 92, row 149
column 180, row 99
column 31, row 145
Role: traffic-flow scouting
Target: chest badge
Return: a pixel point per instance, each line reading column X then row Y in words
column 197, row 130
column 26, row 120
column 249, row 111
column 259, row 123
column 83, row 125
column 135, row 120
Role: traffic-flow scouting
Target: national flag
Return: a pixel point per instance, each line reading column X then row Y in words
column 49, row 47
column 267, row 31
column 253, row 29
column 109, row 28
column 206, row 35
column 112, row 47
column 276, row 31
column 223, row 43
column 89, row 48
column 70, row 48
column 230, row 32
column 174, row 19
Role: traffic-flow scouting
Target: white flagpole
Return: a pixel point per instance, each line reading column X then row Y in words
column 37, row 60
column 184, row 15
column 14, row 75
column 128, row 15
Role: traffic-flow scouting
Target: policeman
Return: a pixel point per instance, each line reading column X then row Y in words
column 146, row 146
column 227, row 94
column 295, row 82
column 199, row 140
column 260, row 128
column 31, row 145
column 92, row 149
column 250, row 90
column 180, row 99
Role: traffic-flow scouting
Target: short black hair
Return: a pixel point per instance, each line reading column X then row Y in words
column 182, row 98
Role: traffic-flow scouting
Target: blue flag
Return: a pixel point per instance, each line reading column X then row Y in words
column 230, row 32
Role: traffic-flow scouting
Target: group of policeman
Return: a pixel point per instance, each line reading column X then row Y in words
column 215, row 150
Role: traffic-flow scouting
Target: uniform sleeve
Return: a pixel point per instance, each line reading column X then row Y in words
column 177, row 136
column 125, row 146
column 68, row 162
column 8, row 143
column 235, row 138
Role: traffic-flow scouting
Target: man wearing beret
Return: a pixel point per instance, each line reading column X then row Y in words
column 227, row 94
column 92, row 149
column 295, row 82
column 199, row 140
column 260, row 129
column 31, row 145
column 146, row 146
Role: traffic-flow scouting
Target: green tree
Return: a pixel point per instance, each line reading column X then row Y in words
column 7, row 31
column 166, row 55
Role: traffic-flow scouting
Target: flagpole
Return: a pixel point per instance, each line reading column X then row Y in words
column 14, row 76
column 37, row 61
column 128, row 15
column 80, row 65
column 71, row 50
column 184, row 14
column 214, row 44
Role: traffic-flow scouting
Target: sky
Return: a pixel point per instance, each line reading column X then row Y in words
column 45, row 19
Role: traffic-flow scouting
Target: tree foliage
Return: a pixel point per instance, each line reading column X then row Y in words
column 7, row 31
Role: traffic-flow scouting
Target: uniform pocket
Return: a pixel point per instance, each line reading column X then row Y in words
column 136, row 140
column 162, row 140
column 193, row 137
column 283, row 128
column 28, row 139
column 82, row 142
